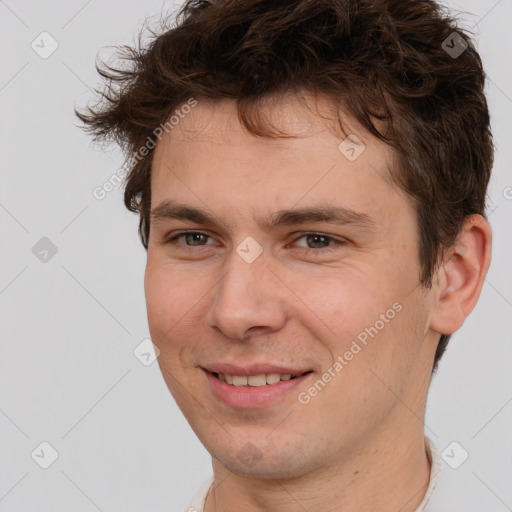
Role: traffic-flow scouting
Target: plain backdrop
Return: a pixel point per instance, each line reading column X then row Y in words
column 72, row 299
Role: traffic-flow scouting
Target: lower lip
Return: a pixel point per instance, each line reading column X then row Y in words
column 251, row 397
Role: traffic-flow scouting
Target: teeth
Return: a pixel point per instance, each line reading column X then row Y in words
column 272, row 378
column 239, row 380
column 254, row 380
column 257, row 380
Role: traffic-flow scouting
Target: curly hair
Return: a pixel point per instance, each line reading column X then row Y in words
column 388, row 62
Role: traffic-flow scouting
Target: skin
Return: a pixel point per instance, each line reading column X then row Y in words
column 358, row 445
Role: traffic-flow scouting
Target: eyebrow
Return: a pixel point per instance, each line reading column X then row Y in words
column 168, row 209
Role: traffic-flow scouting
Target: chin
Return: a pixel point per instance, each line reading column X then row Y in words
column 262, row 470
column 259, row 459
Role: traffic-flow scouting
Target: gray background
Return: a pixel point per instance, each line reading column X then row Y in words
column 69, row 326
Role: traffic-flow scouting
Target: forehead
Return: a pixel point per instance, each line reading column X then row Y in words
column 210, row 159
column 278, row 118
column 296, row 126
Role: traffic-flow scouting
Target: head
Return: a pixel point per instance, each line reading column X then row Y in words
column 241, row 124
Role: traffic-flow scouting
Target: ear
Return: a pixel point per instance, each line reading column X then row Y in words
column 461, row 275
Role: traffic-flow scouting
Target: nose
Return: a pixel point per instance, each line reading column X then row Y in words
column 249, row 299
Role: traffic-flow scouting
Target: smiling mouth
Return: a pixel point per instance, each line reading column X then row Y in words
column 255, row 381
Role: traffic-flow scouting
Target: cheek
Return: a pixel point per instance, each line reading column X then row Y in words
column 170, row 300
column 342, row 301
column 366, row 309
column 171, row 296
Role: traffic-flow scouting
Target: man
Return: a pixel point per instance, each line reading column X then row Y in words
column 311, row 179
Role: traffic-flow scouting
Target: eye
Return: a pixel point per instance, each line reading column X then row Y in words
column 316, row 242
column 191, row 238
column 312, row 242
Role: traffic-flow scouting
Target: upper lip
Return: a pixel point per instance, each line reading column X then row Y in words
column 253, row 369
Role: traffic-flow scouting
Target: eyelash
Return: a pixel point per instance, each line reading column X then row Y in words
column 307, row 250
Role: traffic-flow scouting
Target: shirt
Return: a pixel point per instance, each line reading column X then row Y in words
column 426, row 505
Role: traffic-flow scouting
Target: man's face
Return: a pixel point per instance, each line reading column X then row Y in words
column 242, row 298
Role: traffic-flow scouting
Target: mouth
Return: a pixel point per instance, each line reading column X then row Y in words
column 256, row 381
column 254, row 387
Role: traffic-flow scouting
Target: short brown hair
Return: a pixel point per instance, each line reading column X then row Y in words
column 388, row 61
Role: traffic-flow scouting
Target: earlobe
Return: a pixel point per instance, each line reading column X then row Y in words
column 461, row 275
